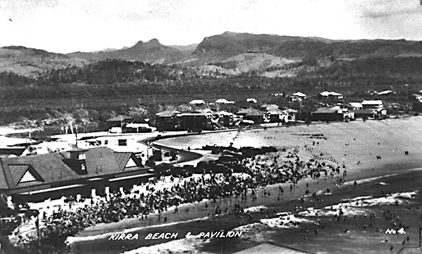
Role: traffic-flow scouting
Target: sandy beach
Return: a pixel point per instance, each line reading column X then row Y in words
column 380, row 157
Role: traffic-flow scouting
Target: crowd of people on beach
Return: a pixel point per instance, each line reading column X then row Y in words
column 271, row 168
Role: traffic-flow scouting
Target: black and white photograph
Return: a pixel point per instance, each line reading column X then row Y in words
column 210, row 127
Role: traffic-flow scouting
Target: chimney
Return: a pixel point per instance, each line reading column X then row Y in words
column 76, row 159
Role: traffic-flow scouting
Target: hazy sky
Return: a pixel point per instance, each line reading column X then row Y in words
column 89, row 25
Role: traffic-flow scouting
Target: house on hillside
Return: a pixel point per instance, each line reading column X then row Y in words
column 197, row 103
column 78, row 171
column 223, row 101
column 251, row 100
column 298, row 96
column 330, row 95
column 385, row 93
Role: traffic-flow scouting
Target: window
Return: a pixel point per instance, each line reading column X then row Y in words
column 122, row 142
column 131, row 163
column 81, row 156
column 27, row 177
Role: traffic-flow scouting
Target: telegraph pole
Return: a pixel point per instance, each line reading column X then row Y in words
column 37, row 223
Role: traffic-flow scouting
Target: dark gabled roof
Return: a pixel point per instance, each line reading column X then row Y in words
column 49, row 167
column 4, row 176
column 101, row 161
column 18, row 171
column 122, row 159
column 11, row 151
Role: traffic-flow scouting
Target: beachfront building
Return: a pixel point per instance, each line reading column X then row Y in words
column 252, row 115
column 223, row 119
column 328, row 114
column 370, row 113
column 78, row 171
column 197, row 120
column 372, row 104
column 355, row 105
column 289, row 115
column 274, row 115
column 167, row 120
column 371, row 109
column 137, row 128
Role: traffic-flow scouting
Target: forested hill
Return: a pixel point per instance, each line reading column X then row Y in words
column 311, row 76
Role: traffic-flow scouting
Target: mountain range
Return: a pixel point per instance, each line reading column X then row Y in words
column 229, row 53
